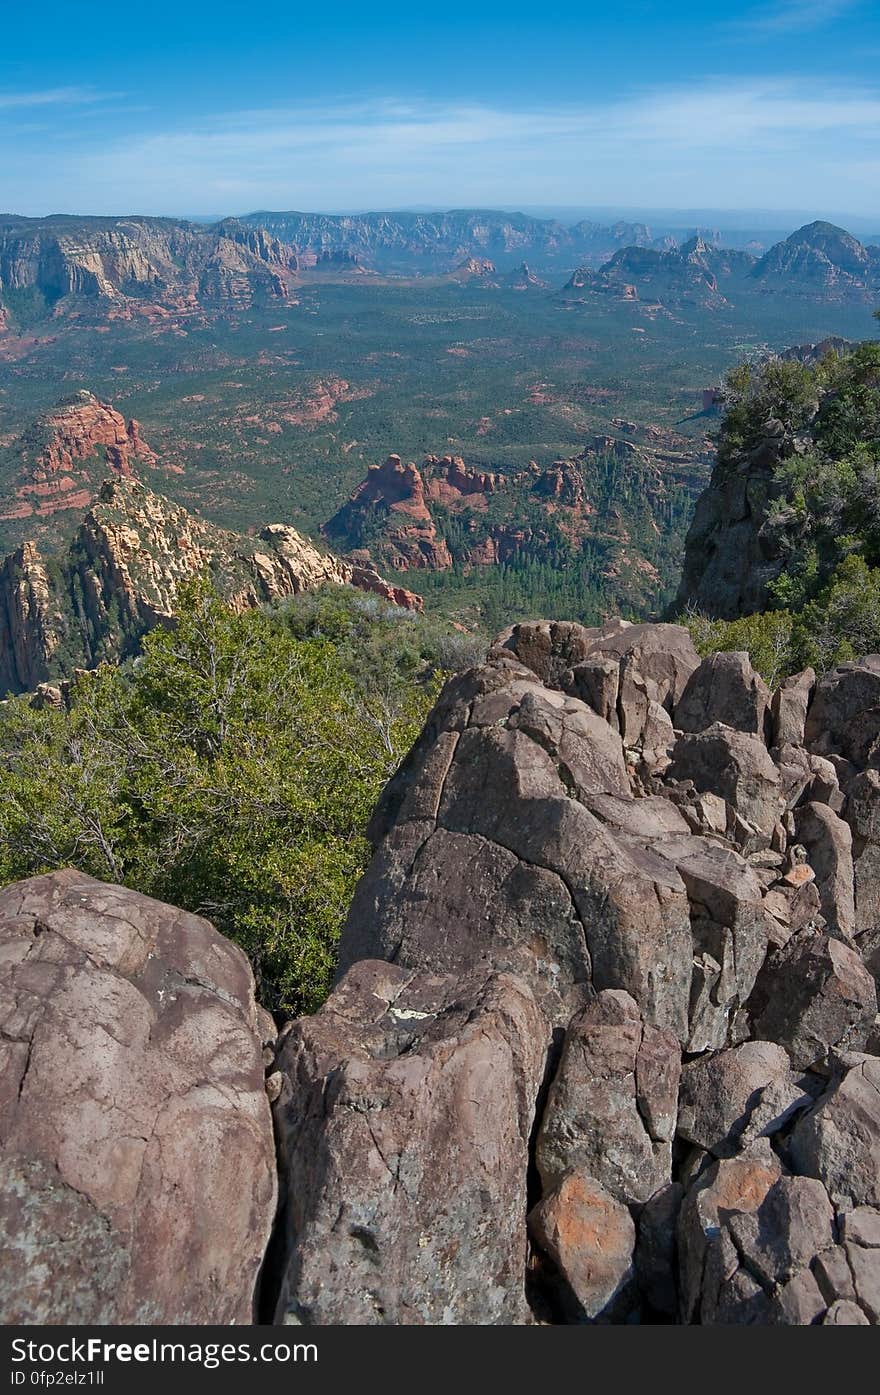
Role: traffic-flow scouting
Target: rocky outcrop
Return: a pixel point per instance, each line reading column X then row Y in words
column 392, row 496
column 137, row 1162
column 598, row 839
column 750, row 527
column 735, row 546
column 122, row 572
column 82, row 425
column 821, row 260
column 602, row 1046
column 65, row 451
column 128, row 265
column 390, row 510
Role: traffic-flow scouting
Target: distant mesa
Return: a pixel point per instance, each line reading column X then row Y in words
column 427, row 242
column 394, row 494
column 821, row 258
column 162, row 269
column 341, row 259
column 131, row 266
column 687, row 275
column 818, row 260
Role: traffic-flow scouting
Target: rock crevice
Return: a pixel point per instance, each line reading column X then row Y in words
column 657, row 853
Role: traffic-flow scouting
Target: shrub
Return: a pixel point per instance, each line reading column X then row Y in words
column 230, row 769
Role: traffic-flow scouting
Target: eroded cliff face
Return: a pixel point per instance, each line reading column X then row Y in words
column 29, row 620
column 666, row 879
column 121, row 575
column 126, row 261
column 64, row 455
column 735, row 544
column 393, row 497
column 401, row 511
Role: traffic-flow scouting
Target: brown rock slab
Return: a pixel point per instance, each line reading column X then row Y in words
column 404, row 1128
column 609, row 1111
column 844, row 716
column 734, row 765
column 793, row 1224
column 828, row 841
column 812, row 995
column 788, row 708
column 838, row 1141
column 589, row 1236
column 137, row 1162
column 749, row 1089
column 733, row 1186
column 725, row 688
column 845, row 1314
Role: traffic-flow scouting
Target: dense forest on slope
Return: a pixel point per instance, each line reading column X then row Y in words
column 796, row 491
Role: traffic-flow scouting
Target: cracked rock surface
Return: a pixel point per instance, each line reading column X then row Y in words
column 137, row 1165
column 602, row 1045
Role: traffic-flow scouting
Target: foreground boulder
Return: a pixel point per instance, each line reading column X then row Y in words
column 602, row 1046
column 591, row 1239
column 611, row 1109
column 725, row 688
column 677, row 872
column 137, row 1168
column 404, row 1126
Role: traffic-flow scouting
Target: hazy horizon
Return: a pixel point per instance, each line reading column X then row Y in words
column 779, row 222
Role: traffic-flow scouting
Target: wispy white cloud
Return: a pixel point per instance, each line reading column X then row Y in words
column 54, row 97
column 758, row 141
column 796, row 16
column 711, row 116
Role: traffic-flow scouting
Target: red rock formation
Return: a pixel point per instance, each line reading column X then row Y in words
column 366, row 578
column 54, row 455
column 400, row 486
column 83, row 425
column 474, row 269
column 400, row 513
column 448, row 481
column 393, row 494
column 563, row 482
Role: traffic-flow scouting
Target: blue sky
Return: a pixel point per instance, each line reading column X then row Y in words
column 204, row 108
